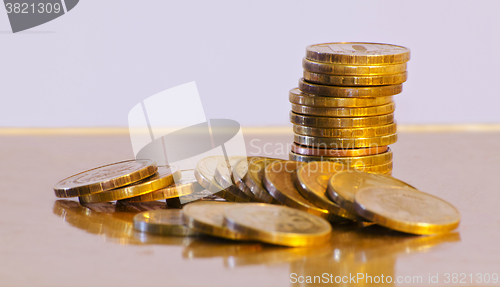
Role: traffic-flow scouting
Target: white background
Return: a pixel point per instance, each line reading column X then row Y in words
column 92, row 65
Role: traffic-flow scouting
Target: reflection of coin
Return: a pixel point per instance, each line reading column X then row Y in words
column 345, row 142
column 344, row 112
column 254, row 177
column 163, row 222
column 364, row 132
column 406, row 209
column 358, row 53
column 105, row 178
column 208, row 218
column 366, row 160
column 353, row 70
column 343, row 185
column 347, row 92
column 327, row 122
column 378, row 80
column 300, row 98
column 223, row 178
column 163, row 178
column 279, row 225
column 316, row 151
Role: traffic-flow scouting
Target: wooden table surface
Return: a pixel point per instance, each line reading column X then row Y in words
column 45, row 241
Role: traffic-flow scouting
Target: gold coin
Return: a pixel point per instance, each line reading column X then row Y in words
column 406, row 209
column 278, row 180
column 254, row 176
column 105, row 178
column 343, row 186
column 348, row 92
column 378, row 80
column 366, row 160
column 298, row 97
column 163, row 222
column 345, row 142
column 316, row 151
column 329, row 122
column 358, row 53
column 279, row 225
column 352, row 70
column 345, row 112
column 165, row 176
column 365, row 132
column 185, row 186
column 311, row 181
column 208, row 218
column 240, row 169
column 223, row 178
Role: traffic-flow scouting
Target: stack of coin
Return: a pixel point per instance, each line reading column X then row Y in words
column 343, row 109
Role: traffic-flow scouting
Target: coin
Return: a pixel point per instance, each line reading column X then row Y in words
column 223, row 178
column 186, row 185
column 358, row 53
column 347, row 92
column 278, row 180
column 345, row 112
column 366, row 160
column 164, row 177
column 203, row 195
column 163, row 222
column 364, row 132
column 300, row 98
column 279, row 225
column 377, row 80
column 316, row 151
column 343, row 186
column 208, row 218
column 344, row 142
column 311, row 181
column 328, row 122
column 253, row 179
column 105, row 178
column 353, row 70
column 240, row 169
column 406, row 209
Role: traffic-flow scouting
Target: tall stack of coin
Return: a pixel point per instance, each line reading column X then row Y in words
column 343, row 109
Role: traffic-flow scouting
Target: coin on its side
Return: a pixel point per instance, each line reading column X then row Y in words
column 317, row 151
column 254, row 177
column 208, row 218
column 406, row 210
column 345, row 112
column 351, row 70
column 240, row 169
column 377, row 80
column 298, row 97
column 365, row 132
column 223, row 178
column 105, row 178
column 165, row 176
column 328, row 122
column 347, row 92
column 362, row 161
column 345, row 142
column 163, row 222
column 279, row 225
column 343, row 185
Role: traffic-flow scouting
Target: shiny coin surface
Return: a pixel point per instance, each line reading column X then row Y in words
column 352, row 70
column 278, row 180
column 364, row 132
column 358, row 53
column 343, row 185
column 347, row 92
column 311, row 181
column 208, row 218
column 361, row 161
column 239, row 171
column 345, row 112
column 406, row 209
column 165, row 176
column 279, row 225
column 378, row 80
column 385, row 168
column 344, row 142
column 223, row 178
column 185, row 186
column 329, row 122
column 317, row 151
column 254, row 177
column 300, row 98
column 105, row 178
column 162, row 222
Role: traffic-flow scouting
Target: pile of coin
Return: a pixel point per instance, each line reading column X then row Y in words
column 343, row 109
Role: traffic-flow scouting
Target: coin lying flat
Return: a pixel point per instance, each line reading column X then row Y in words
column 344, row 142
column 352, row 70
column 317, row 151
column 345, row 112
column 406, row 209
column 343, row 186
column 364, row 132
column 311, row 181
column 208, row 218
column 358, row 53
column 347, row 92
column 377, row 80
column 298, row 97
column 223, row 178
column 163, row 222
column 366, row 160
column 278, row 180
column 254, row 177
column 105, row 178
column 164, row 177
column 328, row 122
column 279, row 225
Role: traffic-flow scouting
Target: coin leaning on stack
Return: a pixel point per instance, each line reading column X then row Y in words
column 343, row 109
